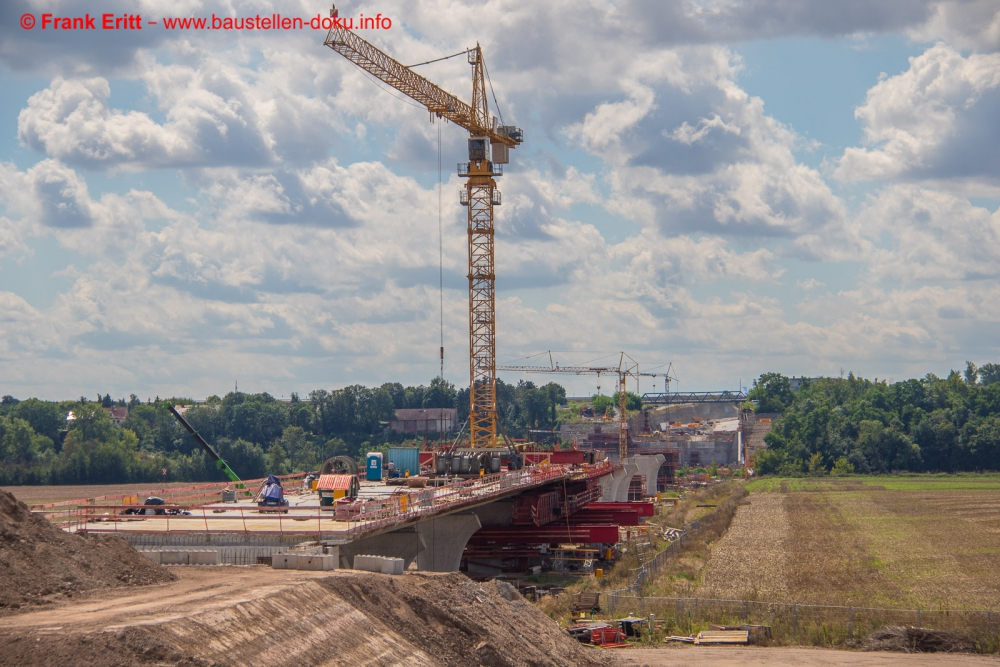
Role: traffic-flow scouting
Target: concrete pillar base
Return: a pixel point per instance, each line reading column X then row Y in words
column 405, row 544
column 444, row 540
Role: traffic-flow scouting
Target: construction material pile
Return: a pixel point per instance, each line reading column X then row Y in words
column 917, row 640
column 39, row 563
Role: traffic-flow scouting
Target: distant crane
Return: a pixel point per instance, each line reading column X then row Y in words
column 489, row 148
column 627, row 367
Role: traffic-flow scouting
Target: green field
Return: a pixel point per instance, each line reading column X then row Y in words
column 914, row 482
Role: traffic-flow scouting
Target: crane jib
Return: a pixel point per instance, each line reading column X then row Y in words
column 437, row 100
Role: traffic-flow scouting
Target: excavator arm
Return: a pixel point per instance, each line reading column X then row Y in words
column 220, row 463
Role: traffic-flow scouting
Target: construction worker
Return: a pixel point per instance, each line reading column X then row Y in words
column 392, row 470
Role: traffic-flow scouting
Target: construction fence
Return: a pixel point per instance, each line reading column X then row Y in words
column 62, row 513
column 822, row 624
column 648, row 571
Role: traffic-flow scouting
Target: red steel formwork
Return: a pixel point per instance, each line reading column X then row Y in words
column 550, row 534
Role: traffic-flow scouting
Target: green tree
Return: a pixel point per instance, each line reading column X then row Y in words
column 989, row 374
column 842, row 467
column 632, row 400
column 277, row 460
column 816, row 466
column 772, row 391
column 601, row 403
column 46, row 418
column 441, row 394
column 245, row 458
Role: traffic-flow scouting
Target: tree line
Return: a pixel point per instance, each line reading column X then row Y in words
column 853, row 425
column 77, row 442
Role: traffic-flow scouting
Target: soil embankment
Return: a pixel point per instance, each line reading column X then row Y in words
column 41, row 564
column 257, row 616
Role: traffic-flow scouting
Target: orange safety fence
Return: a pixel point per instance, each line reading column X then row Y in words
column 61, row 510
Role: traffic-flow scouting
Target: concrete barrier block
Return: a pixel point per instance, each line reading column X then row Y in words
column 285, row 561
column 152, row 555
column 206, row 557
column 392, row 566
column 318, row 562
column 173, row 558
column 368, row 563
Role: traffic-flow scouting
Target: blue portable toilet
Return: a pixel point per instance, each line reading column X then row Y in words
column 373, row 467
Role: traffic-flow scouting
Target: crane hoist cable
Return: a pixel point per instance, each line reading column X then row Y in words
column 440, row 252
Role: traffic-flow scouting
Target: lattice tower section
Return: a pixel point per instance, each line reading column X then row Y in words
column 482, row 195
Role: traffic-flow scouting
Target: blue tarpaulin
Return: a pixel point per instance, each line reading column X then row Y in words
column 272, row 493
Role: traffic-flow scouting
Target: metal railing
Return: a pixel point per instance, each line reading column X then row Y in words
column 367, row 517
column 59, row 512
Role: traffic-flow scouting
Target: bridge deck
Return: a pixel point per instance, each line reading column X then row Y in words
column 380, row 508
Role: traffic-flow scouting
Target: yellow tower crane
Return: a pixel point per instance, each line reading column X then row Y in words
column 489, row 146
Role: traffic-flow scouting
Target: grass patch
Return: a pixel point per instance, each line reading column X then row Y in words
column 902, row 482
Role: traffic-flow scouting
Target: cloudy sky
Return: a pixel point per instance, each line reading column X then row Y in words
column 733, row 187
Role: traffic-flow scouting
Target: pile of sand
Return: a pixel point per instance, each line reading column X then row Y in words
column 39, row 563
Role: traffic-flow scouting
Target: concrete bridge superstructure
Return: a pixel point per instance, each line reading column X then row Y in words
column 430, row 525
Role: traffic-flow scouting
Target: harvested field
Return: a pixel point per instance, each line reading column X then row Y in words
column 931, row 543
column 750, row 562
column 40, row 564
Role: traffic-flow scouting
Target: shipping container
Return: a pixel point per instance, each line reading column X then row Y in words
column 405, row 459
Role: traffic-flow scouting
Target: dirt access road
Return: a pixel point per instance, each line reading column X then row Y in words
column 732, row 656
column 197, row 589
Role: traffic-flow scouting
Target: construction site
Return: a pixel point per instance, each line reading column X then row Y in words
column 466, row 551
column 367, row 560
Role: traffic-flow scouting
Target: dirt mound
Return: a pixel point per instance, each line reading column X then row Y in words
column 460, row 622
column 918, row 640
column 39, row 563
column 350, row 618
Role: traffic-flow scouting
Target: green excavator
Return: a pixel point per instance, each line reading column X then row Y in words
column 220, row 463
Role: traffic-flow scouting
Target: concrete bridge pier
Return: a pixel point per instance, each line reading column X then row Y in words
column 649, row 466
column 610, row 483
column 405, row 543
column 444, row 539
column 621, row 491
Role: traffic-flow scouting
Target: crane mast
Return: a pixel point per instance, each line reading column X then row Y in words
column 489, row 145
